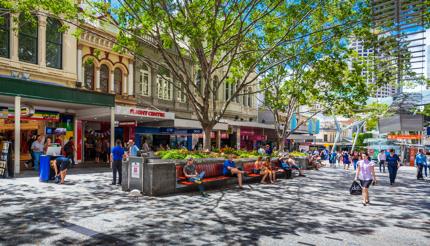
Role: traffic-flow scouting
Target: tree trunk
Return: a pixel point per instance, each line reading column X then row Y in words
column 281, row 144
column 207, row 138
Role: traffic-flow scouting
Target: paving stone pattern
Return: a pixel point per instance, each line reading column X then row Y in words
column 315, row 210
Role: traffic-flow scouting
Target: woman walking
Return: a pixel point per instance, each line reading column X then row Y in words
column 366, row 173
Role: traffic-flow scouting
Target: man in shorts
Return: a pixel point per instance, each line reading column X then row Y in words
column 292, row 164
column 231, row 170
column 61, row 164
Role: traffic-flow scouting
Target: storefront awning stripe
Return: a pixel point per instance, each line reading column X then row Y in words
column 35, row 90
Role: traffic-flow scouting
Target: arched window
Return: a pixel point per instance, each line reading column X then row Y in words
column 28, row 35
column 54, row 43
column 117, row 80
column 164, row 84
column 4, row 34
column 89, row 75
column 144, row 86
column 104, row 78
column 181, row 96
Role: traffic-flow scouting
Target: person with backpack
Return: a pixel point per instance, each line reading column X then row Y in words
column 69, row 150
column 346, row 159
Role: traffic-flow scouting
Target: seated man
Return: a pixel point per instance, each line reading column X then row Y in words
column 292, row 164
column 192, row 175
column 61, row 164
column 230, row 169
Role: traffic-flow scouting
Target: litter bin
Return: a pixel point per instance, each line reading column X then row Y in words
column 44, row 168
column 132, row 174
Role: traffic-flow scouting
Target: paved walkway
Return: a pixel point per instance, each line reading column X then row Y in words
column 316, row 210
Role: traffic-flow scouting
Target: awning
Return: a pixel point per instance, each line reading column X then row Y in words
column 301, row 137
column 249, row 124
column 194, row 124
column 46, row 91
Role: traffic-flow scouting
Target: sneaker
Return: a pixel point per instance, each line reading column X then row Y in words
column 198, row 181
column 112, row 184
column 119, row 184
column 204, row 194
column 57, row 179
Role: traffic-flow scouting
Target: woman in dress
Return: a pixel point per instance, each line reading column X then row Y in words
column 366, row 173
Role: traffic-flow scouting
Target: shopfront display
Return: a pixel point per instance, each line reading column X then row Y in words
column 50, row 124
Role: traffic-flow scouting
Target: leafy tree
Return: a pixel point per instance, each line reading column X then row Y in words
column 229, row 42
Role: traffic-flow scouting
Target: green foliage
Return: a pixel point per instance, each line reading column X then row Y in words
column 297, row 154
column 361, row 137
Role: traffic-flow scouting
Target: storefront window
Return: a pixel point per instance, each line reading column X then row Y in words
column 4, row 34
column 117, row 78
column 89, row 76
column 144, row 81
column 54, row 43
column 164, row 84
column 28, row 36
column 104, row 78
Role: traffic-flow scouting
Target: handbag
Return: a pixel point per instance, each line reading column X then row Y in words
column 355, row 188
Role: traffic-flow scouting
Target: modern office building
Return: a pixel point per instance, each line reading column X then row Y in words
column 367, row 55
column 403, row 21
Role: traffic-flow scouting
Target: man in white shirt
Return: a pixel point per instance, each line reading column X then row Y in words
column 382, row 157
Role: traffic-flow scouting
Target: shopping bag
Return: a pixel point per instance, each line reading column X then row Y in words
column 355, row 188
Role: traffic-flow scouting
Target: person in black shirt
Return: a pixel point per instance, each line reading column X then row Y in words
column 393, row 164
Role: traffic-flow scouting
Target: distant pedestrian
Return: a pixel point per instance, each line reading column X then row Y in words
column 333, row 158
column 116, row 156
column 382, row 157
column 132, row 148
column 269, row 150
column 346, row 160
column 421, row 163
column 366, row 174
column 355, row 159
column 393, row 164
column 37, row 148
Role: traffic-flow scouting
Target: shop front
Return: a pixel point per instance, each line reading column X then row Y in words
column 139, row 124
column 29, row 108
